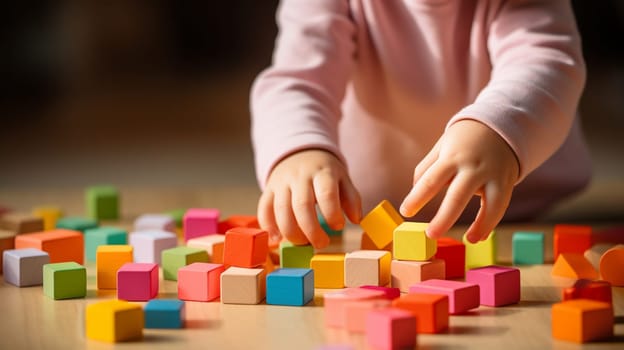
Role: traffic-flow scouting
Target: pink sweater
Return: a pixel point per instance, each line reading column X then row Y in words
column 377, row 82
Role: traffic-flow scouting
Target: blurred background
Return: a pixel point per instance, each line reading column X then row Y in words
column 154, row 93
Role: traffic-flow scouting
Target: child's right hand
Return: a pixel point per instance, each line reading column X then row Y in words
column 295, row 186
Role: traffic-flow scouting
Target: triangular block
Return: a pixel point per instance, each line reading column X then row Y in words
column 573, row 265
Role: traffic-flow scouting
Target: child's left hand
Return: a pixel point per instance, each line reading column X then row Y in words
column 471, row 159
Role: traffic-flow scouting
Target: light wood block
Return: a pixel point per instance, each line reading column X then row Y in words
column 582, row 320
column 137, row 281
column 200, row 281
column 24, row 267
column 411, row 242
column 366, row 243
column 290, row 287
column 571, row 239
column 175, row 258
column 589, row 289
column 612, row 266
column 106, row 235
column 21, row 223
column 527, row 248
column 407, row 273
column 65, row 280
column 453, row 252
column 241, row 285
column 164, row 314
column 334, row 303
column 328, row 270
column 148, row 245
column 49, row 215
column 391, row 329
column 355, row 313
column 390, row 293
column 109, row 259
column 114, row 321
column 250, row 221
column 367, row 267
column 594, row 253
column 482, row 253
column 431, row 310
column 155, row 222
column 62, row 245
column 463, row 296
column 498, row 285
column 102, row 202
column 7, row 242
column 295, row 255
column 380, row 223
column 76, row 223
column 213, row 244
column 199, row 222
column 245, row 247
column 573, row 265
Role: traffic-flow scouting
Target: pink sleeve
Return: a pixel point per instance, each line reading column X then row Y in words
column 537, row 78
column 295, row 104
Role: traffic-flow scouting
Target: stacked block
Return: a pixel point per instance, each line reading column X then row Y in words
column 431, row 311
column 355, row 313
column 243, row 285
column 527, row 248
column 328, row 270
column 62, row 245
column 49, row 215
column 114, row 321
column 213, row 244
column 335, row 303
column 76, row 223
column 407, row 273
column 612, row 266
column 390, row 293
column 589, row 289
column 137, row 281
column 199, row 222
column 19, row 223
column 23, row 267
column 367, row 267
column 200, row 281
column 391, row 329
column 95, row 237
column 571, row 239
column 175, row 258
column 102, row 202
column 7, row 242
column 482, row 253
column 149, row 245
column 453, row 252
column 582, row 320
column 109, row 259
column 157, row 222
column 325, row 226
column 290, row 286
column 411, row 242
column 380, row 223
column 498, row 285
column 573, row 265
column 65, row 280
column 295, row 255
column 366, row 243
column 463, row 296
column 249, row 221
column 164, row 313
column 245, row 247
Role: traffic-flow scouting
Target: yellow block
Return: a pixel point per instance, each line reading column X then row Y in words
column 411, row 242
column 49, row 215
column 380, row 223
column 328, row 270
column 108, row 259
column 114, row 321
column 482, row 253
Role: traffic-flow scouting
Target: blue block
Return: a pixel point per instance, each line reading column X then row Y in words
column 325, row 226
column 95, row 237
column 527, row 248
column 164, row 313
column 290, row 286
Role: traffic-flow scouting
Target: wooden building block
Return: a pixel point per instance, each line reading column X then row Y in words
column 589, row 289
column 102, row 202
column 200, row 281
column 527, row 248
column 164, row 314
column 380, row 223
column 178, row 216
column 431, row 310
column 390, row 328
column 106, row 235
column 367, row 267
column 594, row 253
column 7, row 242
column 410, row 242
column 19, row 223
column 49, row 215
column 612, row 266
column 24, row 267
column 498, row 285
column 137, row 281
column 108, row 259
column 582, row 320
column 148, row 245
column 453, row 252
column 62, row 245
column 175, row 258
column 463, row 296
column 76, row 223
column 573, row 265
column 155, row 222
column 482, row 253
column 245, row 247
column 213, row 244
column 366, row 243
column 295, row 255
column 241, row 285
column 355, row 313
column 64, row 280
column 328, row 270
column 407, row 273
column 290, row 286
column 114, row 321
column 390, row 293
column 325, row 226
column 199, row 222
column 571, row 239
column 250, row 221
column 334, row 303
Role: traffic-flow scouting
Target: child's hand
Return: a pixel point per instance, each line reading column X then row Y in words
column 295, row 185
column 471, row 159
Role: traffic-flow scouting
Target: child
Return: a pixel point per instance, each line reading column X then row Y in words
column 449, row 98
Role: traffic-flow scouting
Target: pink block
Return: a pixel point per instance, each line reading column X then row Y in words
column 390, row 292
column 200, row 222
column 137, row 281
column 148, row 245
column 463, row 296
column 335, row 302
column 498, row 285
column 355, row 313
column 200, row 281
column 161, row 222
column 391, row 329
column 406, row 273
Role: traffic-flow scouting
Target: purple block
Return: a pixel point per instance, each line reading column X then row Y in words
column 160, row 222
column 390, row 292
column 137, row 281
column 148, row 245
column 200, row 222
column 24, row 267
column 499, row 285
column 463, row 296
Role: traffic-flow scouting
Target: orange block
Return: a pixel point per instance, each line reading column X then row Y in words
column 431, row 310
column 574, row 266
column 7, row 242
column 62, row 245
column 582, row 320
column 612, row 266
column 108, row 259
column 367, row 243
column 250, row 221
column 406, row 273
column 245, row 247
column 571, row 239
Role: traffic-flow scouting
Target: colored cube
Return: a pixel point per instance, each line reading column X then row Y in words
column 611, row 265
column 482, row 253
column 295, row 255
column 175, row 258
column 388, row 329
column 199, row 222
column 164, row 313
column 573, row 265
column 582, row 320
column 431, row 310
column 137, row 281
column 95, row 237
column 65, row 280
column 200, row 281
column 114, row 321
column 334, row 303
column 241, row 285
column 453, row 252
column 7, row 242
column 463, row 296
column 589, row 289
column 328, row 270
column 23, row 267
column 290, row 286
column 149, row 245
column 325, row 226
column 367, row 267
column 76, row 223
column 155, row 222
column 250, row 221
column 102, row 202
column 355, row 313
column 411, row 242
column 380, row 223
column 49, row 215
column 62, row 245
column 571, row 239
column 498, row 285
column 21, row 223
column 366, row 243
column 178, row 216
column 407, row 273
column 527, row 248
column 109, row 259
column 390, row 293
column 213, row 244
column 245, row 247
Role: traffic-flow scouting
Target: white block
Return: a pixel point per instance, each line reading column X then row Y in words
column 24, row 267
column 149, row 222
column 148, row 245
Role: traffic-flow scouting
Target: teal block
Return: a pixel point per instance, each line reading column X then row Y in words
column 64, row 280
column 76, row 223
column 175, row 258
column 177, row 215
column 527, row 248
column 295, row 255
column 164, row 313
column 95, row 237
column 102, row 202
column 290, row 287
column 325, row 226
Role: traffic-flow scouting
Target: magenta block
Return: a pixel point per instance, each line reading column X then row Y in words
column 148, row 245
column 391, row 329
column 200, row 281
column 390, row 292
column 200, row 222
column 463, row 296
column 137, row 281
column 499, row 285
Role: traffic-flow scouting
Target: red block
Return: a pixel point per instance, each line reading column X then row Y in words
column 245, row 247
column 137, row 281
column 62, row 245
column 250, row 221
column 588, row 289
column 200, row 281
column 453, row 252
column 390, row 292
column 571, row 239
column 391, row 329
column 431, row 310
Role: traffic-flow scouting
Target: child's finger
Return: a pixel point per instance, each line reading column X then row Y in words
column 432, row 182
column 266, row 216
column 426, row 162
column 286, row 219
column 303, row 204
column 460, row 192
column 493, row 205
column 350, row 201
column 328, row 199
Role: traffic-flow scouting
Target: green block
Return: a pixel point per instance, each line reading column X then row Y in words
column 76, row 223
column 325, row 226
column 177, row 215
column 95, row 237
column 102, row 202
column 482, row 253
column 527, row 248
column 175, row 258
column 64, row 280
column 298, row 256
